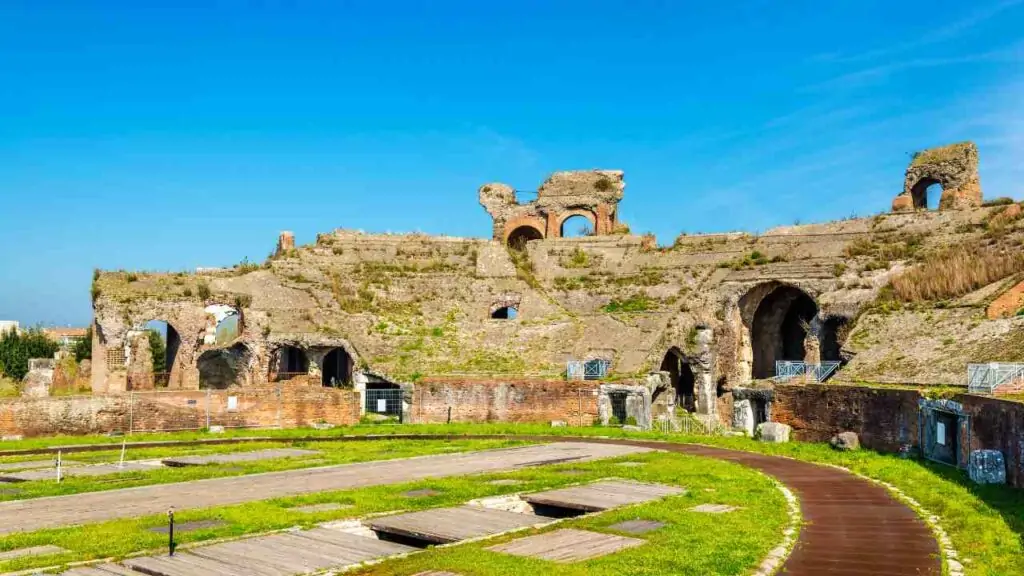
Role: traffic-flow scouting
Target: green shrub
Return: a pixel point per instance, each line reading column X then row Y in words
column 203, row 291
column 635, row 303
column 17, row 348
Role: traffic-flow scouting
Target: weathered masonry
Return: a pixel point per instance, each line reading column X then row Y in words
column 701, row 325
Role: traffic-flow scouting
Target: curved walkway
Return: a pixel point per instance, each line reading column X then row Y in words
column 852, row 527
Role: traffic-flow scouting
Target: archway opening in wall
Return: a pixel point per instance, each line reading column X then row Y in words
column 505, row 313
column 290, row 362
column 384, row 399
column 577, row 226
column 681, row 376
column 337, row 368
column 780, row 325
column 927, row 194
column 164, row 343
column 833, row 335
column 223, row 367
column 520, row 236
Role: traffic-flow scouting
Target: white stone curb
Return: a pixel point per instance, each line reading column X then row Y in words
column 778, row 555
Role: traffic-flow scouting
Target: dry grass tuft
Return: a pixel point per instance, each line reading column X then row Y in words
column 955, row 272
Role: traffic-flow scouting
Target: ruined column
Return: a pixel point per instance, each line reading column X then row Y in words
column 703, row 383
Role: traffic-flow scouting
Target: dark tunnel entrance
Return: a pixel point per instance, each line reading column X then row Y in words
column 779, row 328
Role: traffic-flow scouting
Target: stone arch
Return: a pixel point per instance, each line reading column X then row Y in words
column 221, row 368
column 779, row 322
column 922, row 192
column 518, row 236
column 288, row 362
column 681, row 378
column 153, row 356
column 833, row 336
column 505, row 313
column 336, row 368
column 506, row 307
column 568, row 218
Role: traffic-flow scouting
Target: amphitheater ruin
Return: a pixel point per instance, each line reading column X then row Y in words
column 797, row 325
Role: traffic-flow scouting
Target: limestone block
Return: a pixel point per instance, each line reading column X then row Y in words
column 773, row 432
column 558, row 424
column 987, row 467
column 845, row 441
column 743, row 416
column 902, row 203
column 493, row 261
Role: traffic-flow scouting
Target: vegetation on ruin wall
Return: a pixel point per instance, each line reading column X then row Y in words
column 732, row 543
column 955, row 272
column 940, row 154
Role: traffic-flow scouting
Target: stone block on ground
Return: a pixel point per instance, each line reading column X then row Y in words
column 845, row 441
column 987, row 467
column 773, row 432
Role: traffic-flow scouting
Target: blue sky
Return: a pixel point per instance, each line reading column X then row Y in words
column 144, row 137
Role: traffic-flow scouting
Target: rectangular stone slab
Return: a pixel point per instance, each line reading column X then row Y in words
column 567, row 545
column 269, row 454
column 78, row 471
column 445, row 525
column 35, row 464
column 603, row 495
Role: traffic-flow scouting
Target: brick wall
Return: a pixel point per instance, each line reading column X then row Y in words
column 179, row 410
column 887, row 418
column 478, row 400
column 884, row 418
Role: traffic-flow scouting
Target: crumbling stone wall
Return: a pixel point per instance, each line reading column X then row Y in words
column 593, row 194
column 505, row 400
column 954, row 167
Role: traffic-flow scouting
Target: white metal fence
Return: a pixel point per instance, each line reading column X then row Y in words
column 985, row 378
column 787, row 370
column 587, row 369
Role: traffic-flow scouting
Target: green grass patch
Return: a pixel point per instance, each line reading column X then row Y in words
column 716, row 544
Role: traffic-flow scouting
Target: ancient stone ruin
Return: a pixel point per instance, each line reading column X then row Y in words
column 953, row 167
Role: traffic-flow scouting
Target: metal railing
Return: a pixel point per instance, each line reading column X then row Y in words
column 786, row 370
column 985, row 378
column 587, row 369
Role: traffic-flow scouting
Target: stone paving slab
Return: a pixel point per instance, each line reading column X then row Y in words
column 326, row 507
column 600, row 496
column 35, row 464
column 78, row 471
column 637, row 526
column 567, row 545
column 446, row 525
column 268, row 454
column 40, row 513
column 713, row 508
column 47, row 550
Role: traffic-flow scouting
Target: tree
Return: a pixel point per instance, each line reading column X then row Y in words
column 83, row 348
column 16, row 349
column 158, row 349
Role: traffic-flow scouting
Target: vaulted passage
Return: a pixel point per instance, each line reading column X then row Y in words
column 520, row 236
column 337, row 368
column 927, row 193
column 223, row 367
column 289, row 362
column 681, row 377
column 779, row 328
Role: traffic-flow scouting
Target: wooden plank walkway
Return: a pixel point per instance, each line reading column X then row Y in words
column 52, row 512
column 94, row 470
column 446, row 525
column 281, row 554
column 567, row 545
column 602, row 495
column 269, row 454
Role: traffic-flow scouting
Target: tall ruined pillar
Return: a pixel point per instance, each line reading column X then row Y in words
column 703, row 383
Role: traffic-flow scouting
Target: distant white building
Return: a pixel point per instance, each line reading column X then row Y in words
column 8, row 325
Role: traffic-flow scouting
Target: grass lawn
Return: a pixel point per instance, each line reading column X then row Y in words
column 986, row 523
column 715, row 544
column 330, row 453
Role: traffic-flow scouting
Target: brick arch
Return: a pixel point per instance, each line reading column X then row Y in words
column 563, row 216
column 532, row 222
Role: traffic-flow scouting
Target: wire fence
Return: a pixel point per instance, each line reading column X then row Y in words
column 986, row 378
column 786, row 370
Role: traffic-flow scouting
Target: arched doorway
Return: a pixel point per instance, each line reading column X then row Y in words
column 337, row 368
column 682, row 379
column 779, row 327
column 223, row 367
column 577, row 226
column 164, row 343
column 518, row 238
column 927, row 194
column 832, row 337
column 505, row 313
column 289, row 362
